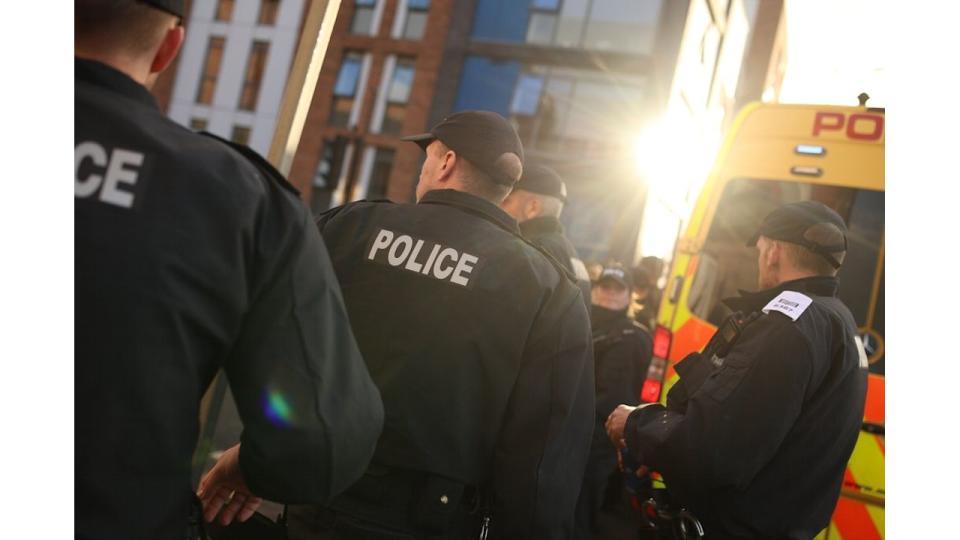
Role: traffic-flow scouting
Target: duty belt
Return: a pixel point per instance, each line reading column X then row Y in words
column 412, row 501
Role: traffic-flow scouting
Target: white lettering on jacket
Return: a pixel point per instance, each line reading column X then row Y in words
column 423, row 257
column 113, row 179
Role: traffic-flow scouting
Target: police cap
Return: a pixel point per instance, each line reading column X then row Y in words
column 615, row 272
column 173, row 7
column 484, row 138
column 543, row 180
column 810, row 224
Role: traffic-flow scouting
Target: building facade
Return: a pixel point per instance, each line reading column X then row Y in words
column 580, row 79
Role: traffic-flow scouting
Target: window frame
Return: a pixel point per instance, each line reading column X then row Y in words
column 223, row 10
column 253, row 75
column 210, row 64
column 268, row 17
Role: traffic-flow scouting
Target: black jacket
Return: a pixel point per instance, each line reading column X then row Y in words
column 622, row 352
column 481, row 349
column 547, row 233
column 761, row 448
column 188, row 259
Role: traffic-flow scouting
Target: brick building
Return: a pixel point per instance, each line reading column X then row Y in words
column 579, row 78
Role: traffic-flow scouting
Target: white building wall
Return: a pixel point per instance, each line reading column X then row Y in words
column 240, row 33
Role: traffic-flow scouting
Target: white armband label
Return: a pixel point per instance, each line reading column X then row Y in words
column 790, row 303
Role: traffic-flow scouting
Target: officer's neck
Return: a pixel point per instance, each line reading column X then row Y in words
column 135, row 68
column 792, row 274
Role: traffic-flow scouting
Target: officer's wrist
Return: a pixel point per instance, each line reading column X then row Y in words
column 631, row 431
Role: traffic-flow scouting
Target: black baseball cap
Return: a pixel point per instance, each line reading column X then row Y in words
column 810, row 224
column 173, row 7
column 616, row 272
column 543, row 180
column 484, row 138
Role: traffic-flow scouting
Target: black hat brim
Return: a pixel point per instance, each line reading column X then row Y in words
column 423, row 140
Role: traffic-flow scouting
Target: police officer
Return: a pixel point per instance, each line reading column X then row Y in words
column 622, row 349
column 536, row 202
column 756, row 434
column 190, row 258
column 480, row 345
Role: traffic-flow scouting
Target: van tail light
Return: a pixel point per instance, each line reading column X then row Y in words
column 661, row 342
column 650, row 392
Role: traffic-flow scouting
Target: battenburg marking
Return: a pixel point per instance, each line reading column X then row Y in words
column 423, row 257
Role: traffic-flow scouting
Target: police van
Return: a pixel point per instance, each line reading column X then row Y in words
column 776, row 154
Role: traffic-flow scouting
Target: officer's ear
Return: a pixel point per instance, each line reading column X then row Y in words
column 448, row 161
column 168, row 50
column 533, row 208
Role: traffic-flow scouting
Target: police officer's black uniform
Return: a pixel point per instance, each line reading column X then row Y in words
column 757, row 432
column 487, row 380
column 547, row 232
column 189, row 259
column 622, row 352
column 481, row 349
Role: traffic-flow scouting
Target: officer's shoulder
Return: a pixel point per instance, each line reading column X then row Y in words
column 250, row 160
column 355, row 208
column 631, row 328
column 788, row 306
column 542, row 263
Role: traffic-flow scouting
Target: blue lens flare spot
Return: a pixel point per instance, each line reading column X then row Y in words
column 277, row 410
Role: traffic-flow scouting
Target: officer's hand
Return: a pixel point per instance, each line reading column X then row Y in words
column 224, row 485
column 616, row 423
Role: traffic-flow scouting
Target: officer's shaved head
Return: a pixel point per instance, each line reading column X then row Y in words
column 468, row 176
column 128, row 25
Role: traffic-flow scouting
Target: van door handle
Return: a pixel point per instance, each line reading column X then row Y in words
column 872, row 427
column 675, row 290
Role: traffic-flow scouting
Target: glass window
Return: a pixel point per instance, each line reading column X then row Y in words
column 598, row 104
column 198, row 124
column 726, row 265
column 327, row 176
column 416, row 22
column 346, row 84
column 541, row 28
column 401, row 82
column 573, row 15
column 380, row 173
column 398, row 93
column 622, row 25
column 550, row 5
column 501, row 20
column 211, row 68
column 268, row 12
column 363, row 17
column 345, row 89
column 224, row 10
column 240, row 134
column 254, row 74
column 487, row 84
column 527, row 96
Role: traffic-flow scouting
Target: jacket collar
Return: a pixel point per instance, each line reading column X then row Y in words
column 541, row 225
column 102, row 75
column 472, row 204
column 749, row 302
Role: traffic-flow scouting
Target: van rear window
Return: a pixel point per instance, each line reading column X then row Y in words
column 726, row 265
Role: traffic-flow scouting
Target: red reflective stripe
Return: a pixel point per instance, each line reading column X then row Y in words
column 853, row 521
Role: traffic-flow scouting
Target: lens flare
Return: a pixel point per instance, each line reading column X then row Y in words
column 277, row 410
